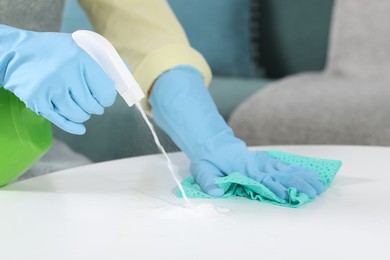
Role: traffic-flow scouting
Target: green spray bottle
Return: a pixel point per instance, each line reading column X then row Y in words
column 24, row 137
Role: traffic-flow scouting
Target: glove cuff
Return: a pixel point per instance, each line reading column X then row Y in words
column 184, row 109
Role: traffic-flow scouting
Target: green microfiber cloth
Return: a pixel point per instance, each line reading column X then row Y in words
column 237, row 184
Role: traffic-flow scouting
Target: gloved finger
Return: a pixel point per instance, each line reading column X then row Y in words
column 204, row 174
column 310, row 177
column 69, row 109
column 63, row 123
column 274, row 186
column 275, row 166
column 301, row 185
column 279, row 167
column 86, row 101
column 293, row 176
column 100, row 85
column 265, row 163
column 284, row 167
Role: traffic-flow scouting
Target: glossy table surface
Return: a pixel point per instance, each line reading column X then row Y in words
column 111, row 211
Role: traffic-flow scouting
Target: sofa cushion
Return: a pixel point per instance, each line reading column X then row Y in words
column 293, row 35
column 221, row 31
column 360, row 39
column 316, row 109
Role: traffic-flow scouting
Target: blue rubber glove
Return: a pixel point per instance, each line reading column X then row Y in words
column 183, row 107
column 53, row 77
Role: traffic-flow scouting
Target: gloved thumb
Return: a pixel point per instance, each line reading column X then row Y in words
column 204, row 174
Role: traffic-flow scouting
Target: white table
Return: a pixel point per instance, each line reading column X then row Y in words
column 103, row 211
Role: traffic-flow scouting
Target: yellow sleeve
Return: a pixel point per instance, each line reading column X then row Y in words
column 147, row 35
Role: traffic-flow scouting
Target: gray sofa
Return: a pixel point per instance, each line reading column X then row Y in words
column 346, row 103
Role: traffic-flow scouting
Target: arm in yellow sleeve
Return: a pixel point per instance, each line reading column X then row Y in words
column 147, row 35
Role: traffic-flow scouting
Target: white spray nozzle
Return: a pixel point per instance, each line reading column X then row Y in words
column 102, row 51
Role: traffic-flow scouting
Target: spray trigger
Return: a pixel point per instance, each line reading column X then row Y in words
column 102, row 51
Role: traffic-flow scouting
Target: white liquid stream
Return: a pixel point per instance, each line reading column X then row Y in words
column 174, row 212
column 169, row 162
